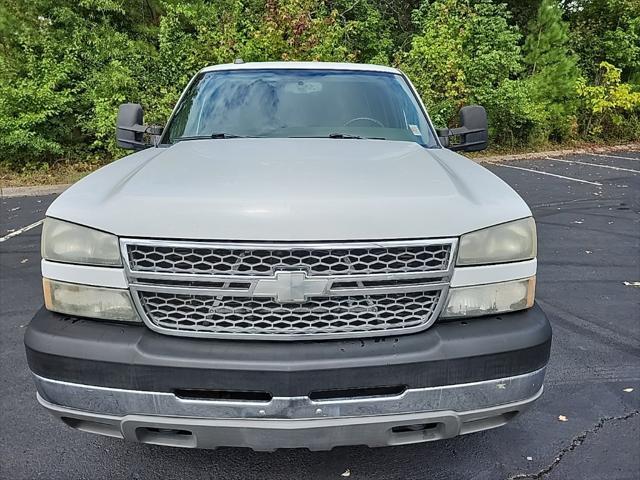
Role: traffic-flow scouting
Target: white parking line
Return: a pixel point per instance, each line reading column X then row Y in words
column 15, row 233
column 593, row 164
column 615, row 156
column 579, row 180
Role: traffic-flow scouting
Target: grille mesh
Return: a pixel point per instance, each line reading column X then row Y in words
column 238, row 290
column 338, row 261
column 320, row 315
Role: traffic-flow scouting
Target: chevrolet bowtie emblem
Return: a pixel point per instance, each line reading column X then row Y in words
column 289, row 287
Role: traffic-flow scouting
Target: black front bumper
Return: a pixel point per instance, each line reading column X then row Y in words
column 132, row 357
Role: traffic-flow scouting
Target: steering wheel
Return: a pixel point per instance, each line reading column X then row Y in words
column 368, row 119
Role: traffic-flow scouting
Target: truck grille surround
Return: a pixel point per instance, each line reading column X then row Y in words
column 288, row 291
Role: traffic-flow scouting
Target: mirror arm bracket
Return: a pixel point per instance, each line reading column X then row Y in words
column 465, row 131
column 462, row 146
column 135, row 128
column 153, row 130
column 150, row 129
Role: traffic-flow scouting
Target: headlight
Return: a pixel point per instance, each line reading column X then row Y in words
column 71, row 243
column 509, row 242
column 490, row 299
column 87, row 301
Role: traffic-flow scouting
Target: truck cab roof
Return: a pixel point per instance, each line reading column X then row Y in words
column 358, row 67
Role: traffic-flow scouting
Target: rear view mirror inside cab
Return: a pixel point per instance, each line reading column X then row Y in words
column 303, row 87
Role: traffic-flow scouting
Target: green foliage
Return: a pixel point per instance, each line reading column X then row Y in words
column 66, row 65
column 609, row 31
column 552, row 68
column 434, row 61
column 609, row 104
column 516, row 118
column 462, row 52
column 460, row 48
column 64, row 78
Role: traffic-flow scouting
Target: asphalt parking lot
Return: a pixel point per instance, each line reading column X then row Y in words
column 587, row 209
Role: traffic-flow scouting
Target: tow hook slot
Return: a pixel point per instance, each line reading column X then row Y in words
column 417, row 432
column 418, row 427
column 166, row 436
column 348, row 393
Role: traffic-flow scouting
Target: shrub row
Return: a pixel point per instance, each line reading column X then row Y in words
column 545, row 72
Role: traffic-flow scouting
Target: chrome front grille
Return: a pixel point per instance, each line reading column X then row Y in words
column 195, row 259
column 288, row 291
column 320, row 315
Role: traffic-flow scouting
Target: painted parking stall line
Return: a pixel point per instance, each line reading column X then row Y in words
column 579, row 180
column 621, row 169
column 633, row 159
column 17, row 232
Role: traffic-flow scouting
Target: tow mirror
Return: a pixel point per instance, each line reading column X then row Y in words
column 131, row 132
column 473, row 131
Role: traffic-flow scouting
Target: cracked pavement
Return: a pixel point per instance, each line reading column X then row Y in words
column 589, row 244
column 576, row 442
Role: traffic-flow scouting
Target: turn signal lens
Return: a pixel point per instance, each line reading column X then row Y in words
column 490, row 299
column 88, row 301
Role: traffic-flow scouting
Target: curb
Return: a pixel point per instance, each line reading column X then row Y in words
column 33, row 191
column 56, row 189
column 557, row 153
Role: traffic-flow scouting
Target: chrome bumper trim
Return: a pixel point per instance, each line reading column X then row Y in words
column 456, row 398
column 269, row 434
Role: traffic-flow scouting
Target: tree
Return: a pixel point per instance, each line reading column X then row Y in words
column 552, row 67
column 607, row 31
column 461, row 52
column 65, row 65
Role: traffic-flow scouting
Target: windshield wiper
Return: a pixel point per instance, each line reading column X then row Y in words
column 331, row 135
column 344, row 135
column 226, row 135
column 356, row 137
column 214, row 136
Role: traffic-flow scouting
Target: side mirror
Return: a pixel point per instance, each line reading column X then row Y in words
column 131, row 130
column 473, row 131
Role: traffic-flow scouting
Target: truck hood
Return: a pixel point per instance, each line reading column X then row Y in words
column 290, row 189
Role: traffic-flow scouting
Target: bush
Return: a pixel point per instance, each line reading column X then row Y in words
column 66, row 65
column 516, row 118
column 609, row 109
column 462, row 52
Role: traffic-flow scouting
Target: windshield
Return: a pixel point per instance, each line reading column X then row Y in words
column 299, row 103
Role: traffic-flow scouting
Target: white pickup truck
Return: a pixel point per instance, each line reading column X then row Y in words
column 298, row 259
